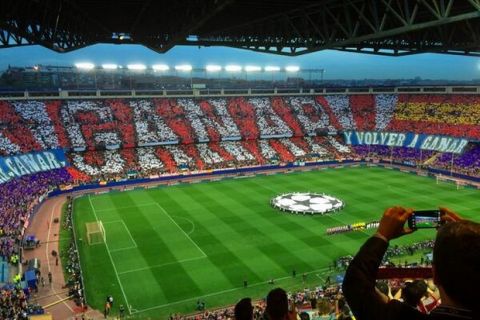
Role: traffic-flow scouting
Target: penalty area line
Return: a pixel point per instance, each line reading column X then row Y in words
column 128, row 231
column 111, row 260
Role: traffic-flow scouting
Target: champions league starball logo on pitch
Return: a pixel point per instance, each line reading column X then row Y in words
column 307, row 203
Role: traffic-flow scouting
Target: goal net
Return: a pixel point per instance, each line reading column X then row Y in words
column 448, row 179
column 95, row 232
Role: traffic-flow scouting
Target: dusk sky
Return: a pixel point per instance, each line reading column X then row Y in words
column 337, row 64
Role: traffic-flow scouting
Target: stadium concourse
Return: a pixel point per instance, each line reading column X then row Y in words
column 118, row 139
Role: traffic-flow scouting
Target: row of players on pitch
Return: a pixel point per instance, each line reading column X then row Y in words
column 353, row 227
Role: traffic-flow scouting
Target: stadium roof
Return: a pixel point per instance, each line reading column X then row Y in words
column 286, row 27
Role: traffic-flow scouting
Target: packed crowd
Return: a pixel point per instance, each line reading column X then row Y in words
column 18, row 199
column 115, row 164
column 467, row 163
column 199, row 134
column 453, row 115
column 222, row 313
column 14, row 303
column 74, row 281
column 99, row 124
column 410, row 156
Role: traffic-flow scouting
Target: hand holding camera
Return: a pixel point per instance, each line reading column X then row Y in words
column 392, row 224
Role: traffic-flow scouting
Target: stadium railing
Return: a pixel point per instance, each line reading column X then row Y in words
column 92, row 93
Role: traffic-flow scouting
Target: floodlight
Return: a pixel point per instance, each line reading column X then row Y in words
column 85, row 65
column 272, row 68
column 183, row 67
column 292, row 68
column 136, row 67
column 109, row 66
column 253, row 69
column 213, row 68
column 233, row 68
column 160, row 67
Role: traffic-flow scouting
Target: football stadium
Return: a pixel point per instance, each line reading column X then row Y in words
column 237, row 191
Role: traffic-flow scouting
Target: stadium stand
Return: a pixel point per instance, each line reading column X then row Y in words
column 467, row 163
column 398, row 154
column 115, row 139
column 106, row 139
column 453, row 115
column 113, row 123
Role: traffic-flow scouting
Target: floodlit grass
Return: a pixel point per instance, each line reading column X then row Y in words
column 169, row 246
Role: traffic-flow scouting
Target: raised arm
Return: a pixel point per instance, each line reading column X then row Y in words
column 359, row 282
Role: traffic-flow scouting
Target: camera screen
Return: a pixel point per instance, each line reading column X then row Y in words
column 427, row 219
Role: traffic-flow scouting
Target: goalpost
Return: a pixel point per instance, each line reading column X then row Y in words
column 95, row 232
column 458, row 182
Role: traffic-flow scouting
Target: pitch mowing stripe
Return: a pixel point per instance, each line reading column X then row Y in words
column 134, row 246
column 311, row 239
column 186, row 235
column 161, row 265
column 154, row 246
column 352, row 236
column 126, row 228
column 111, row 259
column 222, row 292
column 220, row 253
column 243, row 227
column 342, row 188
column 288, row 227
column 127, row 207
column 306, row 232
column 151, row 219
column 227, row 218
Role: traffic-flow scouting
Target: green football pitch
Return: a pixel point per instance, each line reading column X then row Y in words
column 167, row 247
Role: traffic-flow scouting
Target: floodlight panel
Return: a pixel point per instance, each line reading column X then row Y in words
column 272, row 68
column 160, row 67
column 136, row 66
column 183, row 67
column 253, row 68
column 213, row 68
column 85, row 65
column 292, row 68
column 109, row 66
column 233, row 68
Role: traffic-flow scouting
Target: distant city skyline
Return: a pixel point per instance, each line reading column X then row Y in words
column 338, row 65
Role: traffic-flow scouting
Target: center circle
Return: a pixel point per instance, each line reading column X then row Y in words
column 307, row 203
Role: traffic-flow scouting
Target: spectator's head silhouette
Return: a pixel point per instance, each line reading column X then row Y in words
column 277, row 304
column 456, row 263
column 413, row 292
column 244, row 309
